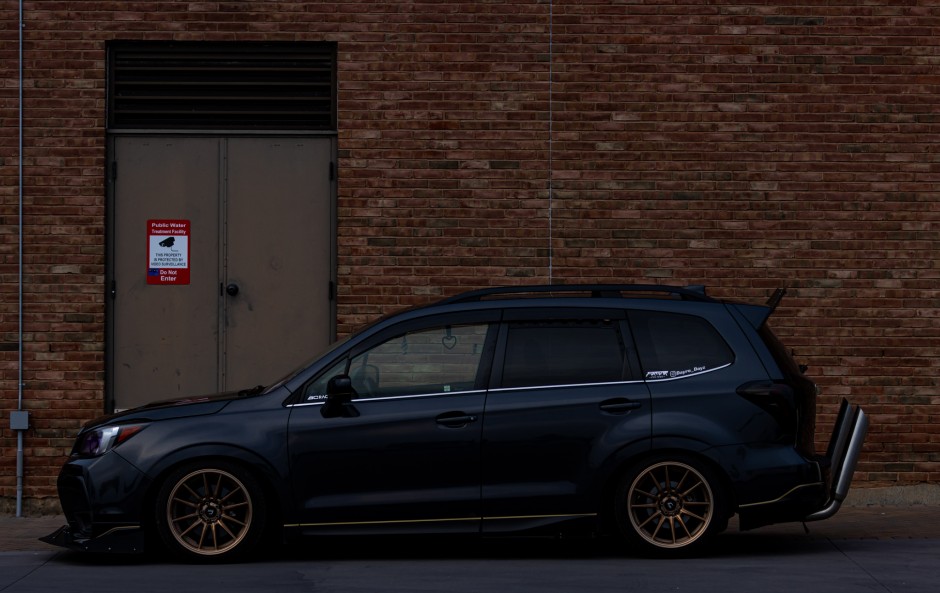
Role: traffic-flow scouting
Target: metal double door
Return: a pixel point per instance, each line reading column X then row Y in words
column 252, row 262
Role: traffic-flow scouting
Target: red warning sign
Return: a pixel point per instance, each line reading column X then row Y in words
column 167, row 252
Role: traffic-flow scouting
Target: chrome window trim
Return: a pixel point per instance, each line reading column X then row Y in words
column 525, row 388
column 393, row 397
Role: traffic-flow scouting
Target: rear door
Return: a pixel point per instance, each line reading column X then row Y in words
column 566, row 398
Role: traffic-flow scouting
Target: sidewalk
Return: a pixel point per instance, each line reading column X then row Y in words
column 861, row 522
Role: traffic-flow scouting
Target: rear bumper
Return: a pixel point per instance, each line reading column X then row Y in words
column 822, row 497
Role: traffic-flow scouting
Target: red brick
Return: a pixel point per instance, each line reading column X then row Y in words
column 744, row 147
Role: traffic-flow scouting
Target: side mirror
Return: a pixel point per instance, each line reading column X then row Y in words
column 340, row 388
column 339, row 394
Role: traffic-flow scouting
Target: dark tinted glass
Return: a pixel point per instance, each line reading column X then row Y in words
column 435, row 360
column 672, row 345
column 563, row 353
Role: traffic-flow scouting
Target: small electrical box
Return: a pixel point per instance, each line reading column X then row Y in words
column 19, row 420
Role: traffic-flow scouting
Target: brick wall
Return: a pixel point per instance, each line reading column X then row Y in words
column 740, row 145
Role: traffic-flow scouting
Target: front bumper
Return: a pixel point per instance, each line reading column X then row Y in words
column 102, row 498
column 127, row 539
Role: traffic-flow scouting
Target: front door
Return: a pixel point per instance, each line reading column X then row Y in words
column 406, row 457
column 250, row 296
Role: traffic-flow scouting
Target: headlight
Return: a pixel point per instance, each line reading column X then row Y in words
column 99, row 441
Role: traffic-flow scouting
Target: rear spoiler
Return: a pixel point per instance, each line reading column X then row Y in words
column 775, row 298
column 757, row 315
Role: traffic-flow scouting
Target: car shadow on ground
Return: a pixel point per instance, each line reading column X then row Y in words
column 411, row 548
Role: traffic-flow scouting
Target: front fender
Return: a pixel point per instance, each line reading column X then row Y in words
column 275, row 480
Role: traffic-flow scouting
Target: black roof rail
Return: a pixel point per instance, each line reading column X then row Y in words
column 689, row 293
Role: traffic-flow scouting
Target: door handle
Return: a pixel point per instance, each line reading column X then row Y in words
column 455, row 419
column 231, row 289
column 620, row 405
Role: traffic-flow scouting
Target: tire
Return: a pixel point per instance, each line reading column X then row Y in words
column 669, row 505
column 210, row 511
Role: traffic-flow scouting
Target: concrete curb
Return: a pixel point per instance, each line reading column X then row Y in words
column 918, row 494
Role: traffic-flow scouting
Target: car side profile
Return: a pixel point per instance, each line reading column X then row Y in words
column 653, row 412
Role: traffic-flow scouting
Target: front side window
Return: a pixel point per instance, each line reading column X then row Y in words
column 673, row 346
column 436, row 360
column 563, row 352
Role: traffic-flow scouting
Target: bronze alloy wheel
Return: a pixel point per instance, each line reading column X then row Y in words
column 670, row 505
column 209, row 512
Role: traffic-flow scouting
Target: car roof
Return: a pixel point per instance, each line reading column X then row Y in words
column 687, row 293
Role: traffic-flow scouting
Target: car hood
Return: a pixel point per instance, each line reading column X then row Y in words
column 173, row 408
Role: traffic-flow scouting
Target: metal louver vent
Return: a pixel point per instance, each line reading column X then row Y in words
column 254, row 86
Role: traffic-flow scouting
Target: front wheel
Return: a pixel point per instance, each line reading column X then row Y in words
column 669, row 505
column 210, row 511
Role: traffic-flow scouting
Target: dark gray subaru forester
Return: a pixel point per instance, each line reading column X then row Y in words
column 654, row 412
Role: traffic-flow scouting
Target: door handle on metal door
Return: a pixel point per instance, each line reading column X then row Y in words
column 455, row 419
column 620, row 405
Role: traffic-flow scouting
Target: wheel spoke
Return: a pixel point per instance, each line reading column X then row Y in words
column 229, row 531
column 679, row 484
column 650, row 518
column 182, row 518
column 672, row 528
column 215, row 538
column 218, row 487
column 690, row 490
column 192, row 525
column 194, row 494
column 186, row 502
column 650, row 505
column 236, row 521
column 202, row 536
column 685, row 528
column 644, row 493
column 693, row 515
column 231, row 494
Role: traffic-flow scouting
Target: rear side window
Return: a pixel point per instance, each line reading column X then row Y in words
column 673, row 346
column 563, row 353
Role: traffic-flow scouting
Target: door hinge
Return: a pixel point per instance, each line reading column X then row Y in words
column 113, row 170
column 332, row 171
column 113, row 290
column 331, row 291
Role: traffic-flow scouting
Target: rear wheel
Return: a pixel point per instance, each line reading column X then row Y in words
column 669, row 505
column 210, row 511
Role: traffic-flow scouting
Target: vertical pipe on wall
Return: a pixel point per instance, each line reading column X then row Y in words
column 19, row 378
column 551, row 74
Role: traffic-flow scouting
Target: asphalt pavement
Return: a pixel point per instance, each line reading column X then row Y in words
column 877, row 548
column 876, row 522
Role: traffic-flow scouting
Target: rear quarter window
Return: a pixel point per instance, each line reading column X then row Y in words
column 673, row 345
